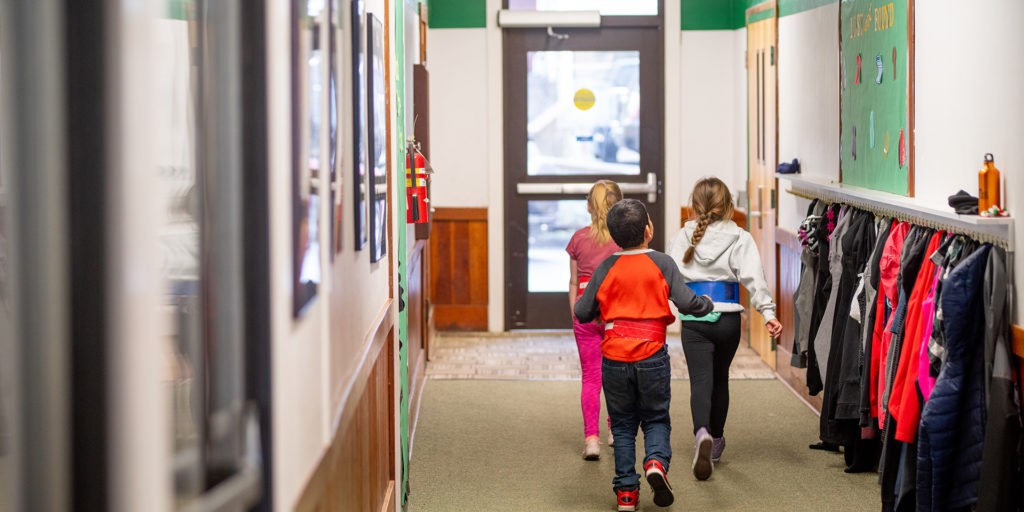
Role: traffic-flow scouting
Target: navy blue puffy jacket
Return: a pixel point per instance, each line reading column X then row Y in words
column 952, row 422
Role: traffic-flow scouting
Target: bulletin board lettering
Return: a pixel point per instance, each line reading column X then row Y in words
column 876, row 95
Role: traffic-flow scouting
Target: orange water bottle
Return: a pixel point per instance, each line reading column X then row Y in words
column 988, row 185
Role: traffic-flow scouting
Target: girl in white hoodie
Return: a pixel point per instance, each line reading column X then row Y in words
column 715, row 256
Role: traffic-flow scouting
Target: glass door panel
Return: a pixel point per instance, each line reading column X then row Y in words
column 583, row 113
column 552, row 224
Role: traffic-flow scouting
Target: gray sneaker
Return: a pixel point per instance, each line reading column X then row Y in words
column 702, row 465
column 717, row 447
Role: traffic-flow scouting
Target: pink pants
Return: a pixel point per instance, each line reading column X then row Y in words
column 588, row 341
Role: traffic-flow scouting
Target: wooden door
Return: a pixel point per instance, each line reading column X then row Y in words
column 762, row 150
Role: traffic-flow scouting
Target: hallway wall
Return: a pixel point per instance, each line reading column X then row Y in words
column 321, row 358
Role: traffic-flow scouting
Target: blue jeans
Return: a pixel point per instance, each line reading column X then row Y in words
column 638, row 394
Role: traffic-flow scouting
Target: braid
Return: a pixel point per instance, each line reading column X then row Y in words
column 698, row 234
column 712, row 202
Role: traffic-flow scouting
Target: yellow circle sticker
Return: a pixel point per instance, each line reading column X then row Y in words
column 584, row 99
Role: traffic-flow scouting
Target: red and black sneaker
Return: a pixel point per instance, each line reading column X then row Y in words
column 656, row 472
column 627, row 500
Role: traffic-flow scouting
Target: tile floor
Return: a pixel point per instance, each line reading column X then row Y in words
column 548, row 355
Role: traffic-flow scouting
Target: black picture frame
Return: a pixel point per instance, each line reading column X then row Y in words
column 307, row 169
column 334, row 118
column 359, row 126
column 377, row 143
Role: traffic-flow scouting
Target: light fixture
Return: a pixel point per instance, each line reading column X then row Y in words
column 563, row 19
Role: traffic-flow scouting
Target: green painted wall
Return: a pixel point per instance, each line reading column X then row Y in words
column 457, row 13
column 731, row 14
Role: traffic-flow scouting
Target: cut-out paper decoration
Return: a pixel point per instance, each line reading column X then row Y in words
column 871, row 131
column 885, row 148
column 880, row 67
column 894, row 63
column 853, row 144
column 856, row 79
column 903, row 149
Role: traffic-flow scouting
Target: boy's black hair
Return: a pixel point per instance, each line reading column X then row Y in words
column 626, row 223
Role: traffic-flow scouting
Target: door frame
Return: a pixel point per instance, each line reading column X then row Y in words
column 651, row 46
column 759, row 339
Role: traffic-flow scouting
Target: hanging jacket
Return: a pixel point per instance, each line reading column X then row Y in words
column 1000, row 472
column 822, row 289
column 888, row 272
column 952, row 423
column 871, row 285
column 803, row 297
column 822, row 338
column 904, row 404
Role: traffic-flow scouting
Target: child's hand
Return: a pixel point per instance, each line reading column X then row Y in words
column 774, row 328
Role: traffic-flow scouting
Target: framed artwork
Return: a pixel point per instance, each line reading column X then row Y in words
column 333, row 90
column 876, row 114
column 306, row 157
column 359, row 125
column 378, row 138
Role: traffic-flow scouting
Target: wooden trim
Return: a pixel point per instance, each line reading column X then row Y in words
column 356, row 385
column 910, row 100
column 389, row 498
column 770, row 4
column 450, row 214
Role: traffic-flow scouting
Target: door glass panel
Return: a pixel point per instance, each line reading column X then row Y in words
column 551, row 225
column 583, row 113
column 607, row 7
column 177, row 44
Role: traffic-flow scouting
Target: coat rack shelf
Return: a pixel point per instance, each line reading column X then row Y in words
column 996, row 230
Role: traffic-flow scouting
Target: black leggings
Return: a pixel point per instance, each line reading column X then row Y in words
column 709, row 349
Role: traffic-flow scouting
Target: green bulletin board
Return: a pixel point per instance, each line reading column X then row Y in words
column 876, row 105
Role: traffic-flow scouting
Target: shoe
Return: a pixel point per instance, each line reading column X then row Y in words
column 627, row 500
column 702, row 465
column 592, row 449
column 717, row 447
column 655, row 472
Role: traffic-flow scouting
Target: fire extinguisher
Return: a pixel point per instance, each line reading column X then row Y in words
column 417, row 204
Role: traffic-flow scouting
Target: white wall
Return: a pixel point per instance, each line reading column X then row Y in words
column 711, row 66
column 808, row 100
column 969, row 101
column 459, row 123
column 315, row 357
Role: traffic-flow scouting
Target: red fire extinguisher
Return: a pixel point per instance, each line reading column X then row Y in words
column 417, row 204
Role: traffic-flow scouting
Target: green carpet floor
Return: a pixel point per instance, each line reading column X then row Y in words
column 515, row 446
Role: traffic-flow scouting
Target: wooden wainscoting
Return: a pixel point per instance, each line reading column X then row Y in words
column 740, row 218
column 419, row 332
column 458, row 269
column 788, row 261
column 357, row 470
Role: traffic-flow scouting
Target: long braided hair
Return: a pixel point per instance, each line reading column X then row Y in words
column 711, row 202
column 603, row 195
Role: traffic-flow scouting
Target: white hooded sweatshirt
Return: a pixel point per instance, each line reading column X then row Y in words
column 726, row 253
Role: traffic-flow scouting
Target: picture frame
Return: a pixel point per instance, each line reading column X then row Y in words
column 359, row 126
column 307, row 169
column 377, row 143
column 334, row 88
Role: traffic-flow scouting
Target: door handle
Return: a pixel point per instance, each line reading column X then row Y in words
column 574, row 189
